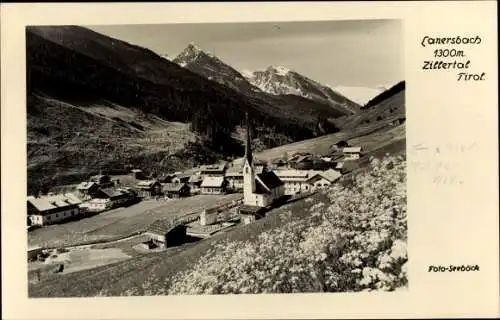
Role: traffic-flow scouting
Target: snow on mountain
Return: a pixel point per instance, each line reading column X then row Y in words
column 360, row 95
column 210, row 66
column 280, row 80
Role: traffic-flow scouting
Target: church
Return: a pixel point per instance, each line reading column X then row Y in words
column 262, row 189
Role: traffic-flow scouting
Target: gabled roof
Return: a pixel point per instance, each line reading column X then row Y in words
column 86, row 185
column 146, row 183
column 213, row 167
column 300, row 159
column 114, row 193
column 291, row 173
column 269, row 180
column 173, row 187
column 46, row 203
column 183, row 175
column 330, row 175
column 215, row 182
column 99, row 177
column 163, row 226
column 195, row 178
column 351, row 150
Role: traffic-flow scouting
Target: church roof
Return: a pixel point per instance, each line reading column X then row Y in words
column 269, row 180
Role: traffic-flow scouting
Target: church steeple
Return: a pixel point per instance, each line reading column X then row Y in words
column 248, row 146
column 248, row 169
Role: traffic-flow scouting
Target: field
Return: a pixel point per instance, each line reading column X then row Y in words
column 121, row 222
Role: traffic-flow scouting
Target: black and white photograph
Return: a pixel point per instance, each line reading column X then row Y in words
column 216, row 158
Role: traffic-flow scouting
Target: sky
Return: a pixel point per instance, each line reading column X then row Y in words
column 365, row 53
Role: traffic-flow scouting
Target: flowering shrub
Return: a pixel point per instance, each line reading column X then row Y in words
column 355, row 242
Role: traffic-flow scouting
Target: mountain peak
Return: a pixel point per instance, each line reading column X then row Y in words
column 190, row 54
column 280, row 70
column 193, row 46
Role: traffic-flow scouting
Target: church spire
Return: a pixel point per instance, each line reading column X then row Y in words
column 248, row 146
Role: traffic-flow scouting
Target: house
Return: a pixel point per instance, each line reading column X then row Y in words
column 116, row 197
column 234, row 180
column 165, row 178
column 166, row 233
column 259, row 189
column 52, row 209
column 278, row 163
column 138, row 174
column 102, row 180
column 213, row 185
column 86, row 190
column 175, row 190
column 97, row 205
column 208, row 216
column 249, row 213
column 181, row 177
column 301, row 162
column 295, row 181
column 194, row 183
column 323, row 179
column 214, row 170
column 149, row 188
column 352, row 153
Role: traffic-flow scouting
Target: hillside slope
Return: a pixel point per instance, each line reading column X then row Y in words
column 73, row 71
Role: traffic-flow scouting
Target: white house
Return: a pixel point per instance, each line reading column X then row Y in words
column 213, row 185
column 323, row 179
column 52, row 209
column 352, row 153
column 295, row 181
column 261, row 189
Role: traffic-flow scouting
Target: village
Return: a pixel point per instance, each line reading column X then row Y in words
column 257, row 187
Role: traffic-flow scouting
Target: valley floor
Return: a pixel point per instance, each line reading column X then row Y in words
column 122, row 222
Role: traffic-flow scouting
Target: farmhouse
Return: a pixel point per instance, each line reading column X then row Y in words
column 249, row 213
column 53, row 209
column 86, row 190
column 138, row 174
column 149, row 188
column 166, row 233
column 102, row 180
column 213, row 185
column 194, row 183
column 181, row 177
column 278, row 163
column 295, row 181
column 352, row 153
column 165, row 178
column 259, row 189
column 175, row 190
column 323, row 179
column 214, row 170
column 116, row 197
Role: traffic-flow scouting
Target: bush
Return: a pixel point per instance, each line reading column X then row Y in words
column 354, row 242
